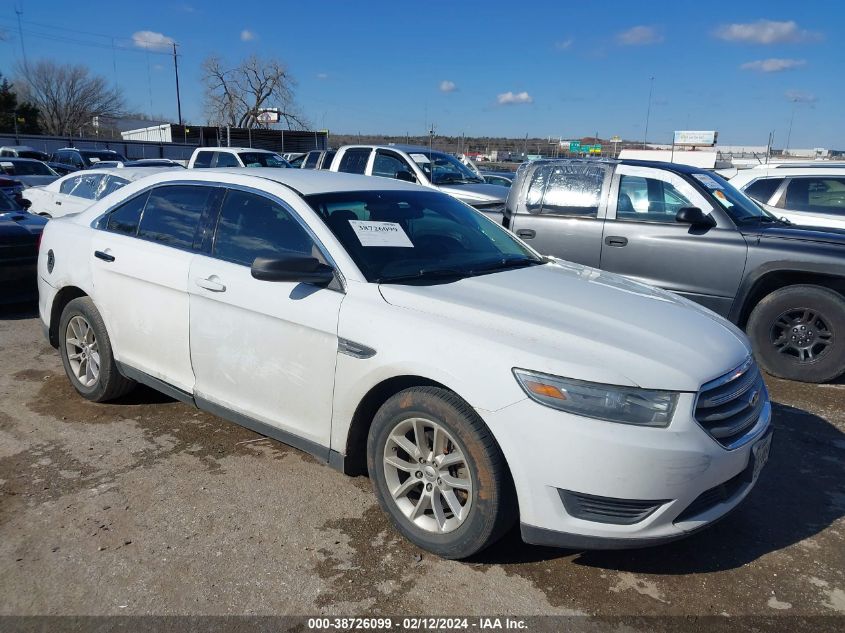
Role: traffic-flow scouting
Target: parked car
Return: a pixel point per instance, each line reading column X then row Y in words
column 14, row 189
column 23, row 151
column 78, row 191
column 296, row 161
column 20, row 232
column 391, row 329
column 318, row 159
column 688, row 230
column 69, row 159
column 206, row 157
column 503, row 178
column 432, row 169
column 141, row 162
column 809, row 196
column 28, row 171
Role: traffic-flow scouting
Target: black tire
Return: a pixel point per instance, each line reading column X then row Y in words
column 493, row 508
column 110, row 383
column 818, row 352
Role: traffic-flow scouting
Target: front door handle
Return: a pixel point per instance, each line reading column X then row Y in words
column 615, row 240
column 526, row 233
column 59, row 202
column 104, row 256
column 211, row 283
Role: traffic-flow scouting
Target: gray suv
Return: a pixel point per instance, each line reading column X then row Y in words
column 687, row 230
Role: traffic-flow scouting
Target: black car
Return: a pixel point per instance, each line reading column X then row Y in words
column 20, row 233
column 71, row 159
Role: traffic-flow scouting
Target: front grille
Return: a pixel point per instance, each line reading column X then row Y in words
column 607, row 509
column 730, row 406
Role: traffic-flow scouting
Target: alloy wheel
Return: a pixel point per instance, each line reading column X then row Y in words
column 802, row 333
column 82, row 351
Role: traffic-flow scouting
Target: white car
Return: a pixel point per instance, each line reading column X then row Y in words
column 78, row 190
column 391, row 329
column 219, row 157
column 807, row 195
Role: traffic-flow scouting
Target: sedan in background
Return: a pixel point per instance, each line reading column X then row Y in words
column 28, row 171
column 20, row 233
column 79, row 190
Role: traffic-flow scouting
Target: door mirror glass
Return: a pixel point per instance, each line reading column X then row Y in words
column 694, row 216
column 306, row 270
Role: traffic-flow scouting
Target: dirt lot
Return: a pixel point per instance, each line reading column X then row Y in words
column 148, row 506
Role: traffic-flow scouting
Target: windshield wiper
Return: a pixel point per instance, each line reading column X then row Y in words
column 426, row 273
column 504, row 263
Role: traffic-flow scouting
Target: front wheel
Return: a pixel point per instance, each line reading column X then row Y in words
column 798, row 332
column 439, row 474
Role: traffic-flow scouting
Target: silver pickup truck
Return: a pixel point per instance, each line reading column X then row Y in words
column 689, row 231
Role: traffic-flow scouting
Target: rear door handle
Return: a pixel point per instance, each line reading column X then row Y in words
column 211, row 284
column 526, row 233
column 59, row 202
column 104, row 256
column 615, row 240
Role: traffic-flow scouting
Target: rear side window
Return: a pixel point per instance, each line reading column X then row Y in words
column 125, row 218
column 762, row 190
column 253, row 226
column 311, row 160
column 225, row 159
column 203, row 159
column 354, row 161
column 574, row 190
column 327, row 160
column 820, row 195
column 172, row 214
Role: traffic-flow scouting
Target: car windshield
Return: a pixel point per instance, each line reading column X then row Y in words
column 443, row 169
column 260, row 159
column 95, row 157
column 26, row 168
column 418, row 236
column 741, row 208
column 32, row 154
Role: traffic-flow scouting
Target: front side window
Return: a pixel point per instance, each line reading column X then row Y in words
column 820, row 195
column 388, row 165
column 648, row 200
column 418, row 236
column 203, row 160
column 762, row 190
column 253, row 226
column 262, row 159
column 172, row 214
column 225, row 159
column 125, row 218
column 354, row 161
column 443, row 169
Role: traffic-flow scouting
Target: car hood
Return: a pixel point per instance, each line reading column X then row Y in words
column 15, row 225
column 580, row 322
column 803, row 233
column 476, row 192
column 36, row 181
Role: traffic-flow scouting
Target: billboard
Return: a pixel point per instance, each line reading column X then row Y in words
column 694, row 137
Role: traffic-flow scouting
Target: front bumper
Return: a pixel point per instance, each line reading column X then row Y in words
column 694, row 480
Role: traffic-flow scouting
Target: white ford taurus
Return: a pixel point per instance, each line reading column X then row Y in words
column 393, row 330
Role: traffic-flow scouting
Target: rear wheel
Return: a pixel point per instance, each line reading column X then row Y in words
column 87, row 355
column 798, row 332
column 439, row 474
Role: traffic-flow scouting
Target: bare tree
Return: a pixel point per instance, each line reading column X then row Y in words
column 235, row 96
column 67, row 96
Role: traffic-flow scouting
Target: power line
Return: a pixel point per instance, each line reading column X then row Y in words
column 111, row 45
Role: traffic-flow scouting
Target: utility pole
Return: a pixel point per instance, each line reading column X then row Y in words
column 648, row 112
column 19, row 12
column 789, row 133
column 178, row 98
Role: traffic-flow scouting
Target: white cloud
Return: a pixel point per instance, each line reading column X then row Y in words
column 511, row 98
column 639, row 36
column 322, row 76
column 799, row 96
column 248, row 36
column 773, row 65
column 562, row 45
column 151, row 40
column 447, row 86
column 766, row 32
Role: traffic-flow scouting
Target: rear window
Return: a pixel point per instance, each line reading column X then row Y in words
column 354, row 161
column 203, row 159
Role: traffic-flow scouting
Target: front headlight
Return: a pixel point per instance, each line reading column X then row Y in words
column 626, row 405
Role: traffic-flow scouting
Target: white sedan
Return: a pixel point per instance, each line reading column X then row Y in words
column 393, row 330
column 80, row 189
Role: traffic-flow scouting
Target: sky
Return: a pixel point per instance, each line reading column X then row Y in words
column 558, row 69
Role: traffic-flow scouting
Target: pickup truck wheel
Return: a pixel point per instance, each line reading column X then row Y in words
column 439, row 474
column 87, row 355
column 798, row 332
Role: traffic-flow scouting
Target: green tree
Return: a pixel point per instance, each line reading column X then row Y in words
column 26, row 113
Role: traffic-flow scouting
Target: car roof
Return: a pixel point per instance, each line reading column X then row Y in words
column 127, row 173
column 18, row 159
column 236, row 149
column 787, row 172
column 416, row 149
column 19, row 148
column 677, row 168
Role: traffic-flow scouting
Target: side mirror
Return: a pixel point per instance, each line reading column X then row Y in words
column 25, row 204
column 406, row 176
column 306, row 270
column 694, row 216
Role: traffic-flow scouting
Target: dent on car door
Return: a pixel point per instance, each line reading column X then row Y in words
column 140, row 262
column 564, row 210
column 264, row 349
column 643, row 240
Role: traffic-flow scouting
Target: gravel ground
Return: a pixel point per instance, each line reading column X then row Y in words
column 148, row 506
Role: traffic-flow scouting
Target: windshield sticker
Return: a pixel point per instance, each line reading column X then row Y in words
column 420, row 158
column 707, row 181
column 380, row 234
column 723, row 198
column 93, row 159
